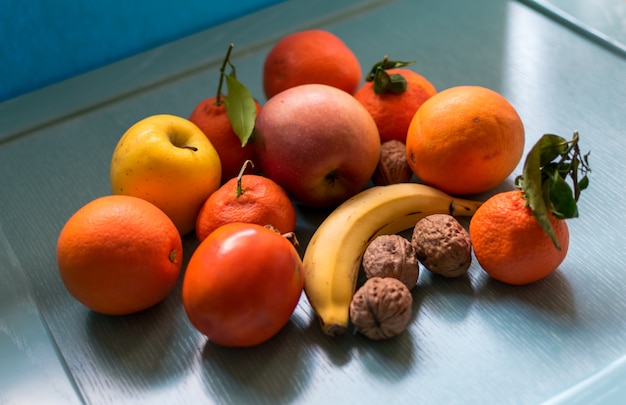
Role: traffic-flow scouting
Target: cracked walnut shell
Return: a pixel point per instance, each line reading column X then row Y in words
column 392, row 256
column 381, row 308
column 442, row 245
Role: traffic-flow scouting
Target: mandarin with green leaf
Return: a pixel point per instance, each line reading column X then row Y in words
column 521, row 236
column 227, row 120
column 210, row 116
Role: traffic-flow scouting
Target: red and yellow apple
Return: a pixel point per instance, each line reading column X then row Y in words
column 318, row 142
column 168, row 161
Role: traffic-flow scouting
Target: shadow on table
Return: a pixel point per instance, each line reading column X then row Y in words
column 147, row 349
column 551, row 295
column 273, row 372
column 546, row 307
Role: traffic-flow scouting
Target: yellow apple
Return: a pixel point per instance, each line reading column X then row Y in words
column 168, row 161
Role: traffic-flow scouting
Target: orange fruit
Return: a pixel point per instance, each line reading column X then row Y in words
column 119, row 254
column 510, row 245
column 242, row 284
column 213, row 121
column 256, row 199
column 393, row 112
column 465, row 140
column 310, row 57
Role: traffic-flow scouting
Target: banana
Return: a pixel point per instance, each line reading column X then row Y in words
column 332, row 259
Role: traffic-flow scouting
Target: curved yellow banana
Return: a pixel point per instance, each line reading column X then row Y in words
column 332, row 259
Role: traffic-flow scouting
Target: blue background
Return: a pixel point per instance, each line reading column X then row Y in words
column 46, row 41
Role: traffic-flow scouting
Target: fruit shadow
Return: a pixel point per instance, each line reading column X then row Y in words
column 143, row 348
column 308, row 220
column 528, row 315
column 450, row 299
column 389, row 359
column 273, row 372
column 139, row 348
column 550, row 297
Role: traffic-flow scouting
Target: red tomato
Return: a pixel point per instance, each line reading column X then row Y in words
column 242, row 284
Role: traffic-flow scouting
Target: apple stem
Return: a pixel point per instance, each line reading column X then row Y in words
column 218, row 97
column 239, row 190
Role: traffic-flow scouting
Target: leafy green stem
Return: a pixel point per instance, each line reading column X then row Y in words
column 218, row 97
column 385, row 82
column 551, row 165
column 239, row 103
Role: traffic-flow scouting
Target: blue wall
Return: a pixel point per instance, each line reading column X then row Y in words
column 46, row 41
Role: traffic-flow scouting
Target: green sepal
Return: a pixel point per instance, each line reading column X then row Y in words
column 389, row 83
column 384, row 82
column 384, row 65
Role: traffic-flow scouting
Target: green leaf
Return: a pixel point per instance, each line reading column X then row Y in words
column 551, row 147
column 583, row 183
column 549, row 164
column 383, row 81
column 233, row 71
column 534, row 188
column 384, row 65
column 240, row 108
column 562, row 198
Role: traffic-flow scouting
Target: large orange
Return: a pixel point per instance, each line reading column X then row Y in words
column 212, row 119
column 310, row 57
column 248, row 199
column 119, row 254
column 393, row 112
column 510, row 245
column 465, row 140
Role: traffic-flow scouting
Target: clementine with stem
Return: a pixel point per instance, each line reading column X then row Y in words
column 392, row 94
column 248, row 198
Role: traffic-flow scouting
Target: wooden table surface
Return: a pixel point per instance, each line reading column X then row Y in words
column 473, row 340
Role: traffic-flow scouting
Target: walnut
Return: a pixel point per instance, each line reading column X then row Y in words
column 392, row 256
column 393, row 166
column 381, row 308
column 442, row 245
